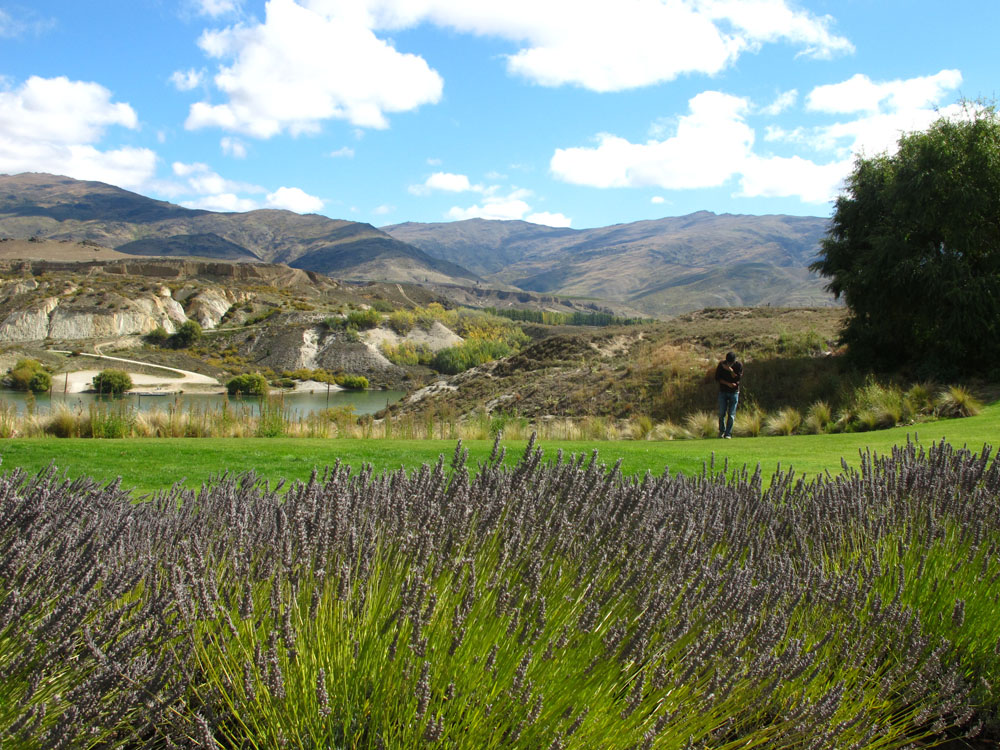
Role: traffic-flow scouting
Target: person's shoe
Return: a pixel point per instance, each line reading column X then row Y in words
column 728, row 437
column 721, row 435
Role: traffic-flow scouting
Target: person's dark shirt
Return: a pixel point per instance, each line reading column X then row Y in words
column 725, row 374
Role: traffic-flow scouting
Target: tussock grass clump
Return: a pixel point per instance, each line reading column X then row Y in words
column 783, row 422
column 748, row 422
column 545, row 604
column 819, row 418
column 956, row 401
column 702, row 424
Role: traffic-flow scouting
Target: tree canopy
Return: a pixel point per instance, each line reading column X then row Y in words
column 914, row 250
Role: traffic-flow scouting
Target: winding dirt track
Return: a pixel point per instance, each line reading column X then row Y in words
column 75, row 382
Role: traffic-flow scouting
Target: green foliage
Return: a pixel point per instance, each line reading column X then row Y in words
column 247, row 384
column 189, row 332
column 112, row 381
column 362, row 319
column 29, row 375
column 406, row 353
column 261, row 316
column 353, row 382
column 913, row 250
column 402, row 321
column 158, row 336
column 468, row 354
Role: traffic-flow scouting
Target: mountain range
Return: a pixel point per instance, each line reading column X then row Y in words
column 660, row 267
column 664, row 266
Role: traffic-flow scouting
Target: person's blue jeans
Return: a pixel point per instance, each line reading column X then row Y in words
column 727, row 412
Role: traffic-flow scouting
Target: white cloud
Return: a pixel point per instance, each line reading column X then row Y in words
column 301, row 67
column 657, row 200
column 19, row 21
column 202, row 179
column 294, row 199
column 446, row 182
column 785, row 100
column 53, row 124
column 215, row 8
column 794, row 176
column 768, row 21
column 383, row 210
column 513, row 205
column 187, row 80
column 882, row 112
column 549, row 219
column 707, row 149
column 610, row 46
column 226, row 202
column 860, row 94
column 431, row 161
column 233, row 147
column 343, row 153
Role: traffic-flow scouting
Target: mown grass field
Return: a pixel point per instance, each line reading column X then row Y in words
column 149, row 464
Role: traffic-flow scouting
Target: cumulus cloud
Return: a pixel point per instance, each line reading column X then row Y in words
column 187, row 80
column 881, row 111
column 785, row 100
column 711, row 146
column 216, row 8
column 707, row 149
column 774, row 177
column 657, row 200
column 610, row 46
column 507, row 207
column 860, row 94
column 549, row 219
column 233, row 147
column 53, row 124
column 200, row 178
column 301, row 67
column 294, row 199
column 446, row 182
column 225, row 202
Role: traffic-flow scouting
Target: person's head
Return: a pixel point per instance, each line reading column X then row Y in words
column 730, row 357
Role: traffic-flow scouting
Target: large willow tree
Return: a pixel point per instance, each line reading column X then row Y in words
column 914, row 251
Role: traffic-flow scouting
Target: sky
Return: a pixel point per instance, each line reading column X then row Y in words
column 578, row 113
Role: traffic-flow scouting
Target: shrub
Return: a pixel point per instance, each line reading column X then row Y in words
column 407, row 353
column 247, row 384
column 29, row 375
column 402, row 321
column 362, row 319
column 189, row 332
column 353, row 382
column 158, row 336
column 468, row 354
column 114, row 382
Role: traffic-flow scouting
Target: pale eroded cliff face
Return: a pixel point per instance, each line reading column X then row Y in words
column 63, row 318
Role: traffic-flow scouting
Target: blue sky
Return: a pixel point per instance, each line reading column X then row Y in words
column 574, row 113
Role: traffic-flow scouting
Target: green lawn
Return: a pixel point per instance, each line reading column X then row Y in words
column 148, row 464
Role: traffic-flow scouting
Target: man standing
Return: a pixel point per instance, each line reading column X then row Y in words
column 727, row 375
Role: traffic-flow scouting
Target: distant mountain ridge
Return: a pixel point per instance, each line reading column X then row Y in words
column 61, row 208
column 662, row 266
column 657, row 267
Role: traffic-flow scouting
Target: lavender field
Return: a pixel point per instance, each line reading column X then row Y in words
column 541, row 605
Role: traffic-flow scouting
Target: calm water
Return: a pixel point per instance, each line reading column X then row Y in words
column 298, row 404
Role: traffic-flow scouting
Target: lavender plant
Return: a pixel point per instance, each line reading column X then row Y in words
column 542, row 605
